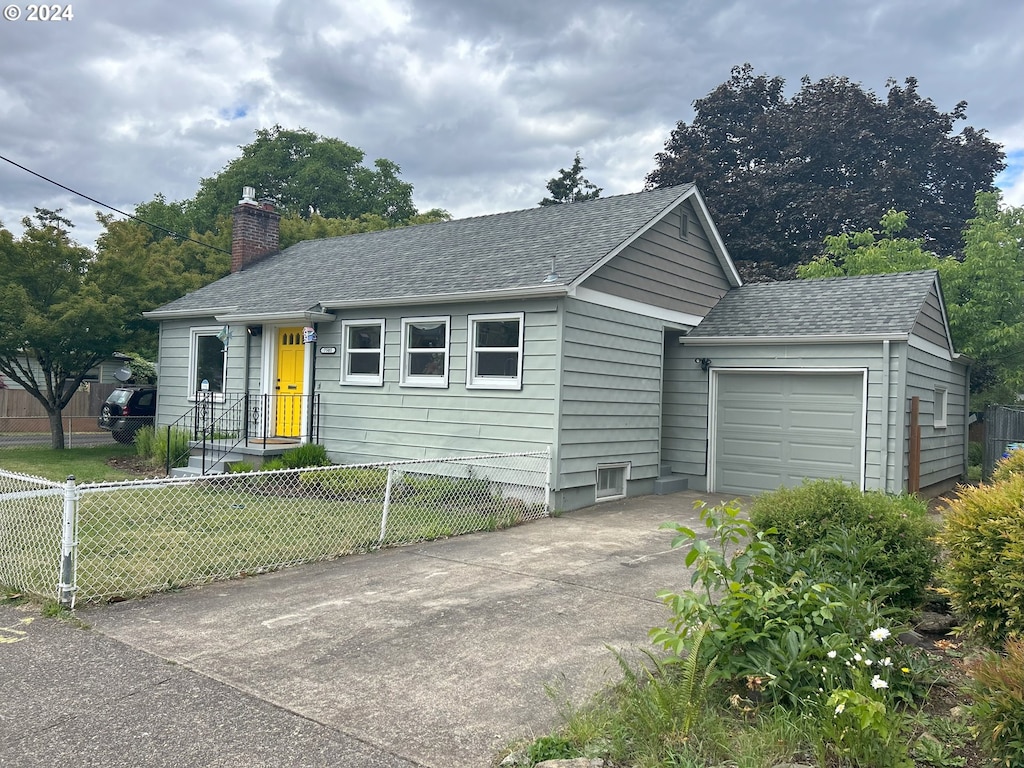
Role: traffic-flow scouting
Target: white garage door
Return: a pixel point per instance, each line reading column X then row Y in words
column 776, row 429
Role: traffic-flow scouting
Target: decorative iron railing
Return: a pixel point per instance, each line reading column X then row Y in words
column 216, row 425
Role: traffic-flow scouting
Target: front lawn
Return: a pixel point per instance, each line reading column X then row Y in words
column 88, row 465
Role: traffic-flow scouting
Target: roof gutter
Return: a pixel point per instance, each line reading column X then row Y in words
column 707, row 341
column 528, row 292
column 308, row 316
column 174, row 314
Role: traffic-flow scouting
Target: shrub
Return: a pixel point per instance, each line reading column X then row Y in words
column 892, row 534
column 1008, row 466
column 173, row 442
column 984, row 572
column 238, row 467
column 772, row 620
column 348, row 481
column 308, row 455
column 975, row 453
column 145, row 440
column 997, row 695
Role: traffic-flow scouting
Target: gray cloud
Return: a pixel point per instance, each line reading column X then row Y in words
column 480, row 102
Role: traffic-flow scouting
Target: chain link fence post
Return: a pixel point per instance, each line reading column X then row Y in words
column 68, row 546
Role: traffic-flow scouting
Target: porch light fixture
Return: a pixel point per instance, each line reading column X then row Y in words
column 705, row 363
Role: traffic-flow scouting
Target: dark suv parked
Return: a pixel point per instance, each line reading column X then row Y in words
column 128, row 410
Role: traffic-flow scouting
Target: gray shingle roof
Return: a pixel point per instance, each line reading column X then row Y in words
column 486, row 253
column 838, row 306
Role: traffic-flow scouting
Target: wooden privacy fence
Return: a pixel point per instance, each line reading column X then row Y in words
column 1004, row 431
column 20, row 412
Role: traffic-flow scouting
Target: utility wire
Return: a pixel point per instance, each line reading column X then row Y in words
column 170, row 232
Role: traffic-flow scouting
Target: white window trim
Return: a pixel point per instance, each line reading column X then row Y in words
column 407, row 379
column 362, row 379
column 941, row 408
column 193, row 351
column 626, row 468
column 474, row 380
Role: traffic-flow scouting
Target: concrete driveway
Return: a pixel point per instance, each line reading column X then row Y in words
column 439, row 653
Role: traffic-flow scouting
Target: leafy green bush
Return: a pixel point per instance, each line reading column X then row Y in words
column 1008, row 466
column 145, row 440
column 984, row 573
column 975, row 453
column 275, row 463
column 238, row 467
column 997, row 695
column 772, row 619
column 173, row 442
column 348, row 481
column 434, row 489
column 308, row 455
column 894, row 530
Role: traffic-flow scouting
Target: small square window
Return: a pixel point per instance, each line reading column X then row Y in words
column 425, row 351
column 940, row 410
column 496, row 352
column 611, row 481
column 363, row 352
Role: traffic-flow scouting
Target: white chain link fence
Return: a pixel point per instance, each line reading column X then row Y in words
column 132, row 538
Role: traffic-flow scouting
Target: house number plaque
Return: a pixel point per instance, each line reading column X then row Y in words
column 328, row 350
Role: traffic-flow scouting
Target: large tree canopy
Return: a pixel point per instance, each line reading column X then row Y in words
column 56, row 321
column 984, row 291
column 305, row 174
column 780, row 174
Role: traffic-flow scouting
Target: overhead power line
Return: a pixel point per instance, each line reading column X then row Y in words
column 170, row 232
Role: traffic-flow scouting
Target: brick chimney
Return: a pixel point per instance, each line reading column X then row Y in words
column 255, row 230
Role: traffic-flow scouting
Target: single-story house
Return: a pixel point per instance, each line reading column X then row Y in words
column 616, row 333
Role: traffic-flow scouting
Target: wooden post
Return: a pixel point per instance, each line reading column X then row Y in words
column 914, row 458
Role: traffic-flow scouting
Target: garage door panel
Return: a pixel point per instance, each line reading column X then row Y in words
column 775, row 429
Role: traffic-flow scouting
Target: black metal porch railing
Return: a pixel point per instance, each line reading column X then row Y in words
column 216, row 425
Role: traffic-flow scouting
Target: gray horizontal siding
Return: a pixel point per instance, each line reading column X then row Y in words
column 942, row 449
column 373, row 423
column 173, row 363
column 660, row 269
column 611, row 393
column 930, row 324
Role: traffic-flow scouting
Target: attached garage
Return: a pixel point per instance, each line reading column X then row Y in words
column 772, row 428
column 852, row 377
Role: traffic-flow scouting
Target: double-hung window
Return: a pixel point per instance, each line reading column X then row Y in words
column 425, row 342
column 495, row 351
column 207, row 361
column 363, row 352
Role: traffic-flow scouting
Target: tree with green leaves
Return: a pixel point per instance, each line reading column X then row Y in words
column 779, row 174
column 984, row 292
column 56, row 322
column 305, row 174
column 569, row 186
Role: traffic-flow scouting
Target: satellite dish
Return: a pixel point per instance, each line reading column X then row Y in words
column 123, row 375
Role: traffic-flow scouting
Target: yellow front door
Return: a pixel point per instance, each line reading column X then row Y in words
column 291, row 359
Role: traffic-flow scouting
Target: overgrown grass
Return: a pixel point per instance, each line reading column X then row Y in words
column 88, row 465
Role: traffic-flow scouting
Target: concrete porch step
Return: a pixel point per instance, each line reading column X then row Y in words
column 670, row 484
column 214, row 465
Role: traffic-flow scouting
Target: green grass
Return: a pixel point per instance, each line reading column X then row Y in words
column 152, row 537
column 88, row 465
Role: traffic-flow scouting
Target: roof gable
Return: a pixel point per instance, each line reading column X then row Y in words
column 505, row 252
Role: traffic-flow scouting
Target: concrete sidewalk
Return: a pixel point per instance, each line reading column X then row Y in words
column 437, row 654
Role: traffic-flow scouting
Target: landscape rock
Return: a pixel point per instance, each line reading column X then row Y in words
column 575, row 762
column 932, row 623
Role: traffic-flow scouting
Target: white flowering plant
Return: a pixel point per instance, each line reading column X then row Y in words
column 861, row 722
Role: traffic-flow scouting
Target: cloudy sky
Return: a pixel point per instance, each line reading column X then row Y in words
column 479, row 101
